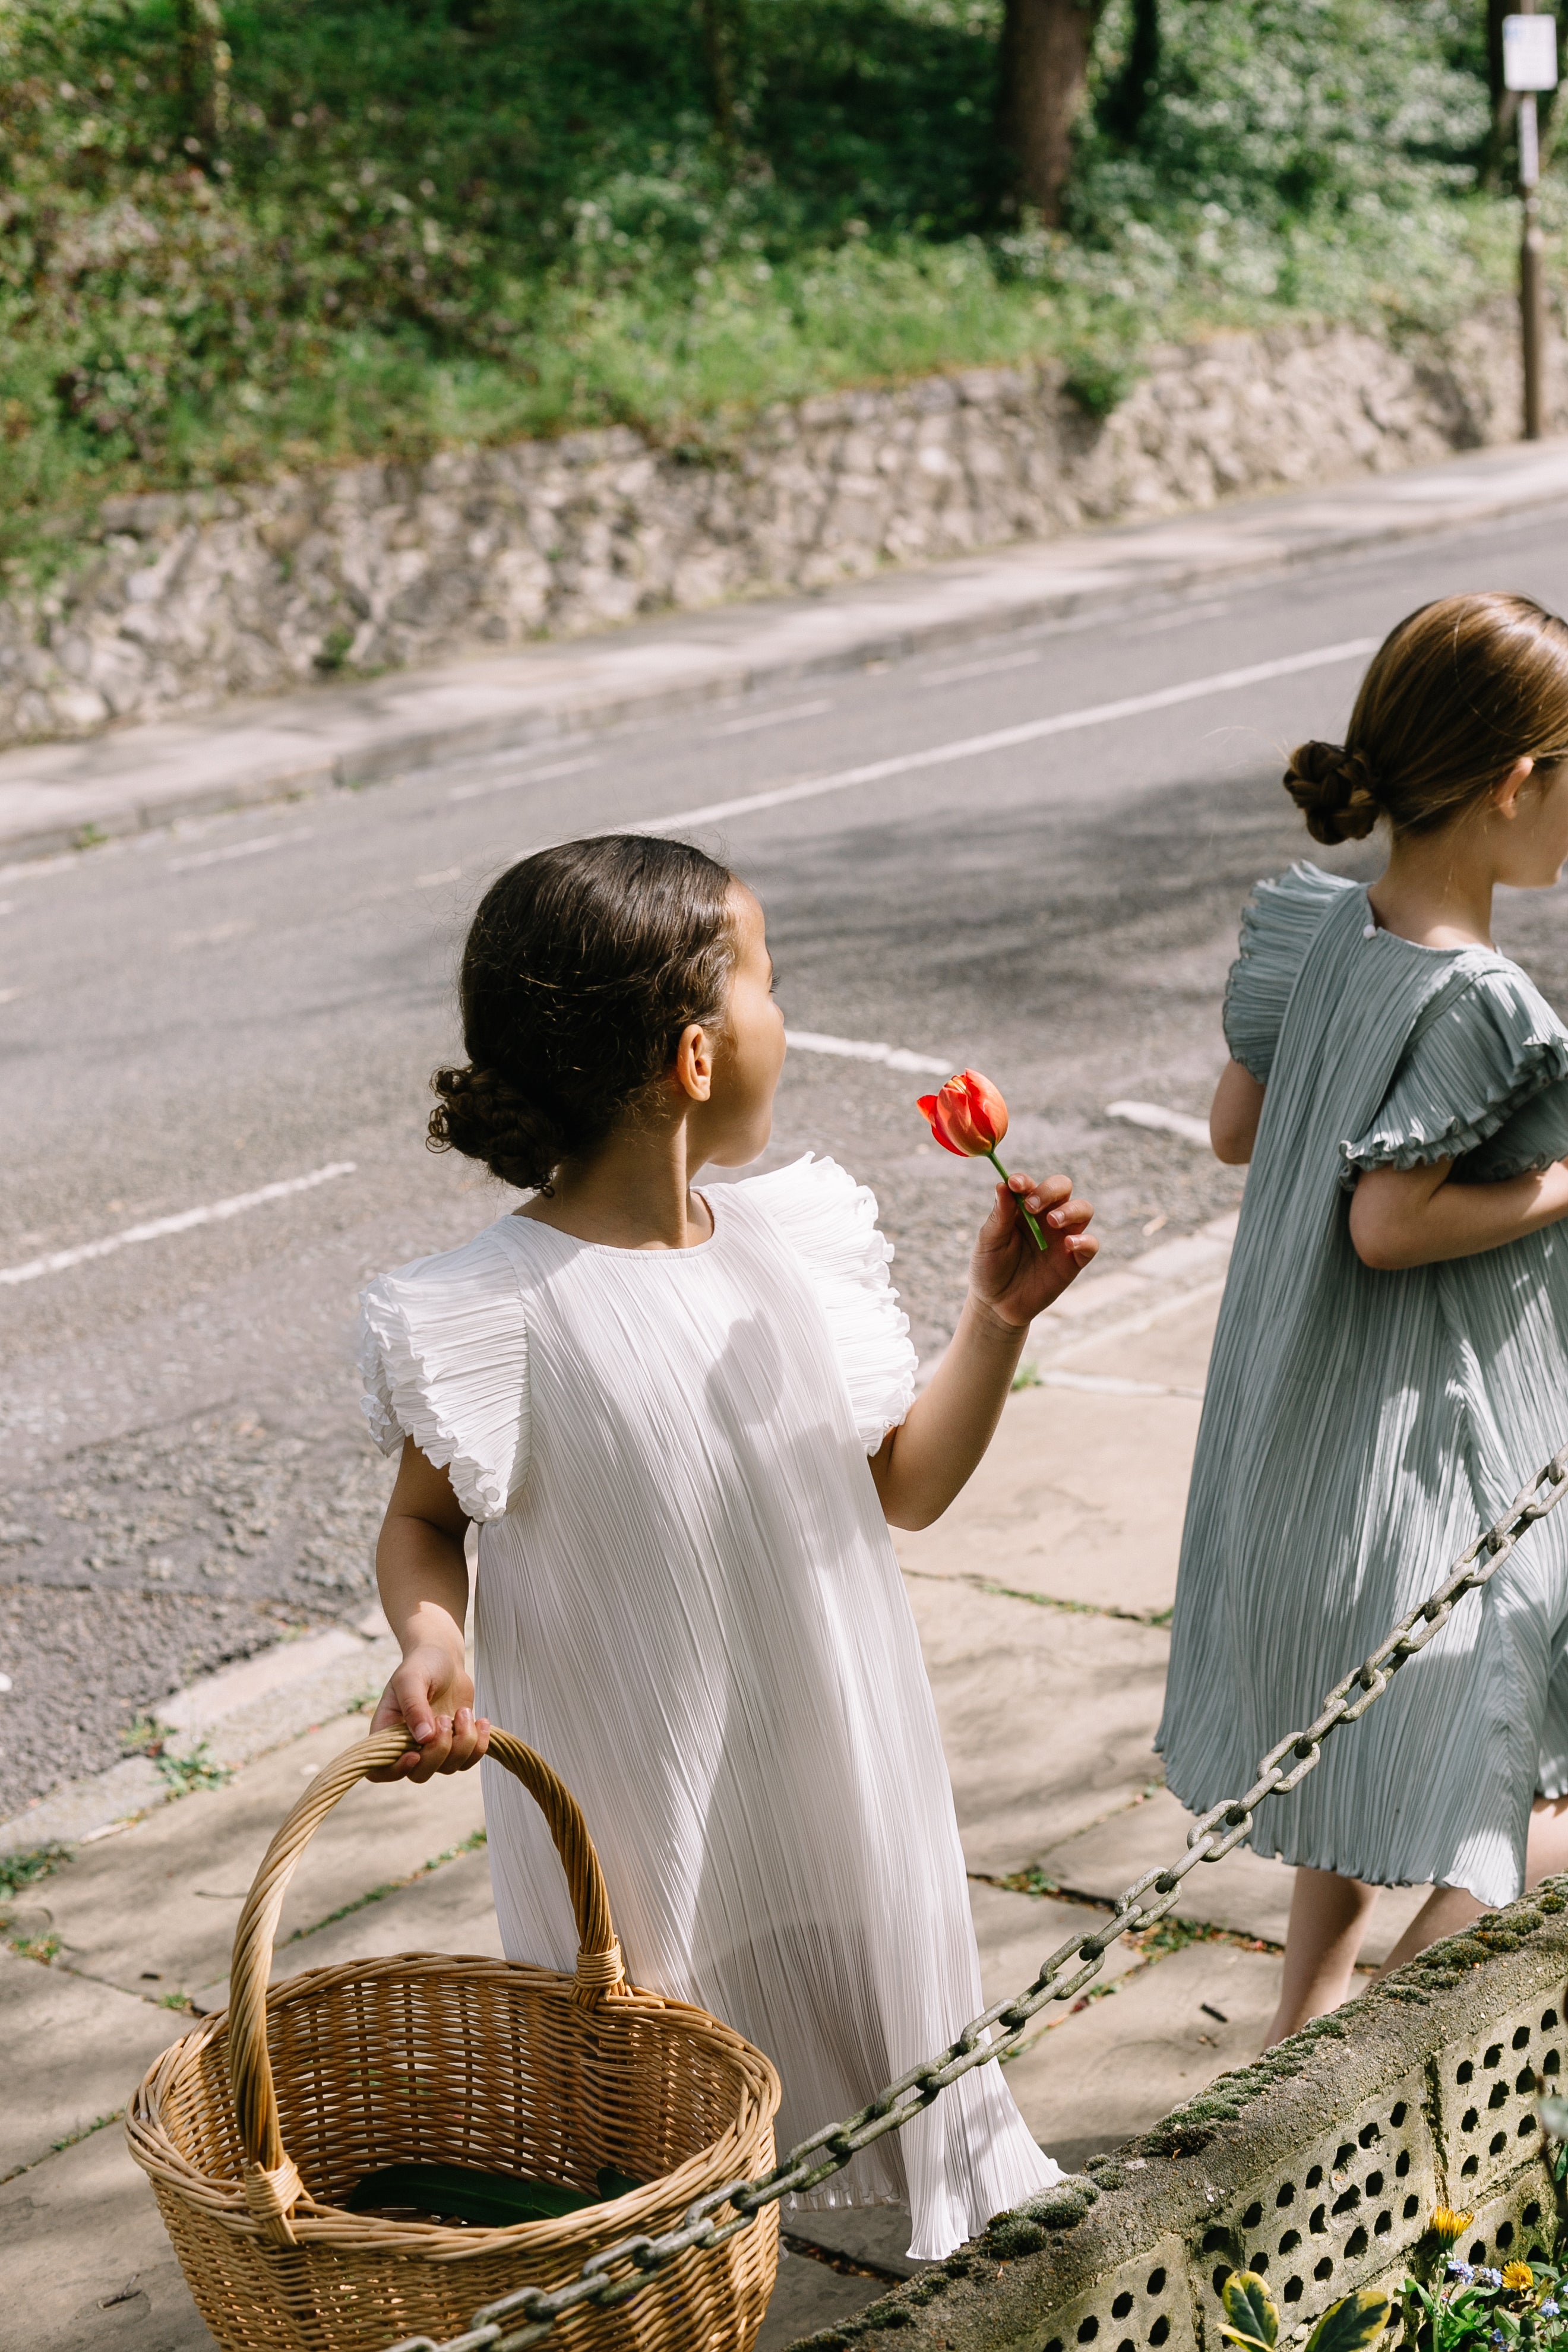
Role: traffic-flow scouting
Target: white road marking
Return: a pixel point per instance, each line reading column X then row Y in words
column 1004, row 739
column 858, row 1049
column 213, row 1213
column 9, row 995
column 214, row 938
column 771, row 717
column 240, row 849
column 980, row 668
column 1174, row 1122
column 434, row 881
column 515, row 783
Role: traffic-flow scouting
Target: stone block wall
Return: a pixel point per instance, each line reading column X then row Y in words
column 174, row 604
column 1319, row 2167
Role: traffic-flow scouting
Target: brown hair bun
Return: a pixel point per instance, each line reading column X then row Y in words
column 1334, row 789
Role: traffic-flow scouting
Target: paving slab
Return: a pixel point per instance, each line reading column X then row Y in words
column 1171, row 1353
column 1116, row 2067
column 164, row 1894
column 1246, row 1891
column 809, row 2296
column 1047, row 1715
column 1017, row 1932
column 446, row 1910
column 87, row 2265
column 1080, row 1496
column 74, row 2052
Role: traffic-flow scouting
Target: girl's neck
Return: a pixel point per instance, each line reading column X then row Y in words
column 1436, row 889
column 635, row 1194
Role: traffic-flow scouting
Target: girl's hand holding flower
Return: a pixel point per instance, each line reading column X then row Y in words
column 1018, row 1268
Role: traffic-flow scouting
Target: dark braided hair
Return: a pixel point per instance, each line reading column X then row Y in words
column 582, row 967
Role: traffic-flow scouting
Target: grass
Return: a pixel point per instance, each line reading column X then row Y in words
column 26, row 1869
column 197, row 1768
column 438, row 222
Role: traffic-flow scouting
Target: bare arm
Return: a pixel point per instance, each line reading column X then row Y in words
column 930, row 1458
column 1402, row 1217
column 1234, row 1115
column 424, row 1580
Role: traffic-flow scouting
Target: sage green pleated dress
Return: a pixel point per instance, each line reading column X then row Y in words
column 1361, row 1427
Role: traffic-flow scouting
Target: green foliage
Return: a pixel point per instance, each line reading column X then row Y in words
column 25, row 1869
column 1253, row 2314
column 1352, row 2323
column 437, row 221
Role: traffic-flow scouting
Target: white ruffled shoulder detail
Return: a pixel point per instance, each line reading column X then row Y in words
column 444, row 1356
column 829, row 1222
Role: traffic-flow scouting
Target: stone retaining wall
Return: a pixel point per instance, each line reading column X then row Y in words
column 173, row 603
column 1319, row 2165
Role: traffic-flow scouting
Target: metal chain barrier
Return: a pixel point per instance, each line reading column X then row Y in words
column 1066, row 1973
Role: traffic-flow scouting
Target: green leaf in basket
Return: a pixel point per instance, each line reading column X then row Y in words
column 459, row 2193
column 1355, row 2321
column 611, row 2183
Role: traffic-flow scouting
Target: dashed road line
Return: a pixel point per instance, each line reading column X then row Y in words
column 861, row 1049
column 1155, row 1115
column 213, row 1213
column 1005, row 738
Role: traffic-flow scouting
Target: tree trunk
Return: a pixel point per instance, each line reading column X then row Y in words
column 1046, row 48
column 204, row 71
column 1123, row 110
column 722, row 40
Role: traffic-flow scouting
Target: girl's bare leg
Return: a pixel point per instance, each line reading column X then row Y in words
column 1450, row 1909
column 1328, row 1917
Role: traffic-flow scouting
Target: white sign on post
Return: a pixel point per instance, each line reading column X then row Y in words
column 1530, row 52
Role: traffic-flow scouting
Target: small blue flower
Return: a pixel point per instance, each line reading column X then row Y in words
column 1489, row 2278
column 1498, row 2336
column 1461, row 2271
column 1549, row 2309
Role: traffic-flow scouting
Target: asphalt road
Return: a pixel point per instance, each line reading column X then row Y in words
column 201, row 1013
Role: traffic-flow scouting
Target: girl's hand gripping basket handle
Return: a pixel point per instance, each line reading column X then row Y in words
column 272, row 2185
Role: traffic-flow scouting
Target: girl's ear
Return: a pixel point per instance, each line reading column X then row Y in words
column 1505, row 798
column 694, row 1062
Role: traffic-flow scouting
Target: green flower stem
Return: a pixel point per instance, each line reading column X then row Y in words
column 1039, row 1237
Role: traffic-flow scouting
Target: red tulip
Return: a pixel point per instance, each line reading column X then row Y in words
column 969, row 1119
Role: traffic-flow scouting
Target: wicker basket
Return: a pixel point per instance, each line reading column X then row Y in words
column 256, row 2127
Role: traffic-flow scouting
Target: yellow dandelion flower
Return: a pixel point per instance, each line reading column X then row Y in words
column 1448, row 2225
column 1518, row 2277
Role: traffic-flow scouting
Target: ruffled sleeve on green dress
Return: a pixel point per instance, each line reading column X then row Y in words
column 1361, row 1426
column 1477, row 1059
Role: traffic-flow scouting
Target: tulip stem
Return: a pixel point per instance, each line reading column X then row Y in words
column 1039, row 1237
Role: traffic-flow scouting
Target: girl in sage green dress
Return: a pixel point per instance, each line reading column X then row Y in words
column 1392, row 1358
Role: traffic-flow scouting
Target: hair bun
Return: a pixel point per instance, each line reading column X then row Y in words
column 1335, row 789
column 484, row 1117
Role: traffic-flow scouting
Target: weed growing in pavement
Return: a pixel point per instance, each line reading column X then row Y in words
column 35, row 1947
column 197, row 1768
column 471, row 1845
column 180, row 2000
column 1027, row 1376
column 19, row 1870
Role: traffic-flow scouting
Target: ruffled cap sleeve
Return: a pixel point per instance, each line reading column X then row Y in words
column 1278, row 925
column 444, row 1357
column 829, row 1223
column 1488, row 1046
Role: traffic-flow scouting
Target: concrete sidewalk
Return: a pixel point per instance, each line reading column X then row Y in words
column 1042, row 1602
column 57, row 797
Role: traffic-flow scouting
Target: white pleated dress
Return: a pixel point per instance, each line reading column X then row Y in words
column 688, row 1602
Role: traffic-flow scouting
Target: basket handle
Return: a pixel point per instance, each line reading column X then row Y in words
column 271, row 2183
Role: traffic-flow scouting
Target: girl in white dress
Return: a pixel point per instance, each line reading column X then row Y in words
column 683, row 1420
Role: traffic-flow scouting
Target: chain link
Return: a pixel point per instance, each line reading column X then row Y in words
column 527, row 2317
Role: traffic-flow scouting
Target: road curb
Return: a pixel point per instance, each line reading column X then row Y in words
column 58, row 797
column 235, row 1715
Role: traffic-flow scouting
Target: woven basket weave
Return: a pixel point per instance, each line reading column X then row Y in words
column 254, row 2128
